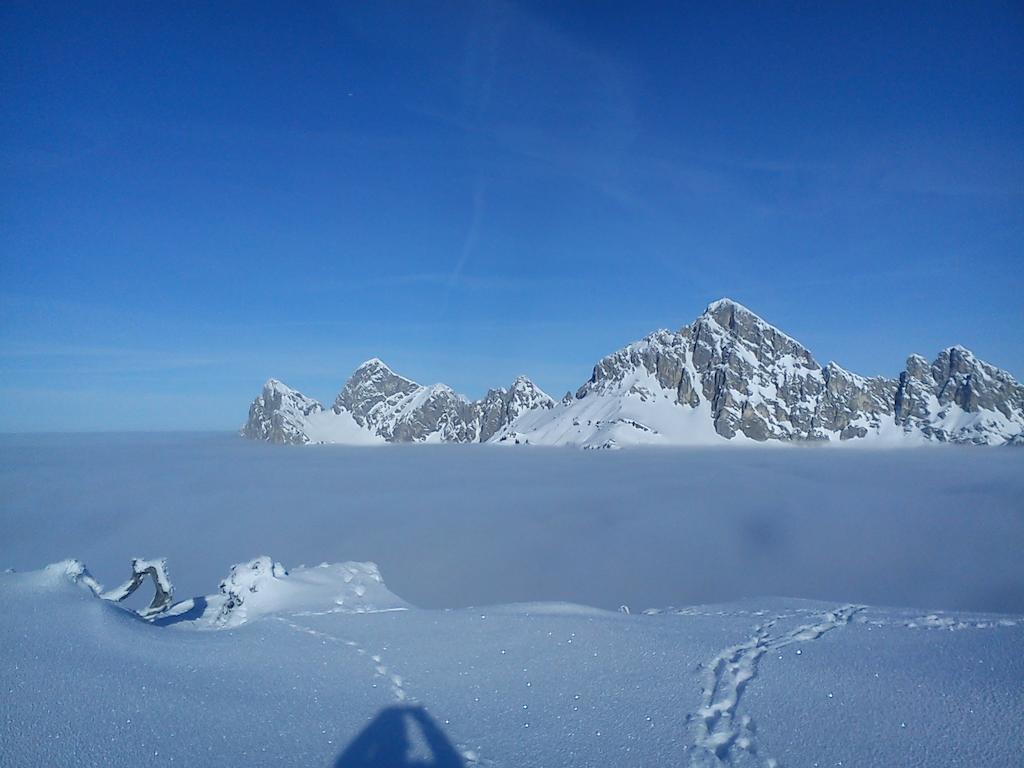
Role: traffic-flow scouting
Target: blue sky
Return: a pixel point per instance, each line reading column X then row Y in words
column 198, row 197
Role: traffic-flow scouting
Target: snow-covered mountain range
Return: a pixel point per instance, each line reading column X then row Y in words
column 729, row 375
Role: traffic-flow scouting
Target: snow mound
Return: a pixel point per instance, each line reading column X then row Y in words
column 254, row 589
column 263, row 587
column 70, row 570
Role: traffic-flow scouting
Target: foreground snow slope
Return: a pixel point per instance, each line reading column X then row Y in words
column 772, row 682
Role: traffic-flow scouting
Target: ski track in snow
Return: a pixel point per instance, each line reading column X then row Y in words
column 717, row 732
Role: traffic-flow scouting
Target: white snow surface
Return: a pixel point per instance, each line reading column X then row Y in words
column 638, row 411
column 338, row 428
column 771, row 682
column 262, row 587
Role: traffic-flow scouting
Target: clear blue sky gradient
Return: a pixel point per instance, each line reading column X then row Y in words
column 197, row 196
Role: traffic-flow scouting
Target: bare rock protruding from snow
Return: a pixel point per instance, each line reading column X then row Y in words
column 372, row 391
column 728, row 375
column 961, row 399
column 501, row 407
column 76, row 571
column 431, row 414
column 253, row 589
column 263, row 587
column 766, row 385
column 743, row 376
column 378, row 405
column 141, row 568
column 402, row 411
column 283, row 415
column 280, row 415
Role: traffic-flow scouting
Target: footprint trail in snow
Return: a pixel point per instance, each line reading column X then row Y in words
column 380, row 670
column 716, row 729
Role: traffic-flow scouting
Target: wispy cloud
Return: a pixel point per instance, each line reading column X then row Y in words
column 469, row 241
column 42, row 358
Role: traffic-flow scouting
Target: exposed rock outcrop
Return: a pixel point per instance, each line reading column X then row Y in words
column 959, row 398
column 729, row 374
column 279, row 414
column 384, row 405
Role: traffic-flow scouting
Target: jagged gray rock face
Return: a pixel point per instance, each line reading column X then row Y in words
column 501, row 407
column 396, row 408
column 372, row 390
column 850, row 398
column 748, row 377
column 757, row 380
column 959, row 398
column 436, row 412
column 400, row 410
column 278, row 415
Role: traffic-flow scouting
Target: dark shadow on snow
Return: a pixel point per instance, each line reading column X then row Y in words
column 390, row 742
column 193, row 613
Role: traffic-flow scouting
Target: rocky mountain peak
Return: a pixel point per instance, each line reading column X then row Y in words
column 728, row 374
column 500, row 407
column 524, row 390
column 373, row 364
column 727, row 324
column 279, row 414
column 371, row 384
column 959, row 398
column 725, row 308
column 274, row 385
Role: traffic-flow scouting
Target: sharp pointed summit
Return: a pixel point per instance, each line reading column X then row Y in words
column 727, row 376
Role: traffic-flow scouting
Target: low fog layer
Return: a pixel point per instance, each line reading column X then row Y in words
column 471, row 525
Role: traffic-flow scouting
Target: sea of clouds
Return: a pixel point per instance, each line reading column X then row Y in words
column 450, row 526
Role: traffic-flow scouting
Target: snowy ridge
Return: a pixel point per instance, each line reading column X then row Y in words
column 251, row 590
column 729, row 375
column 263, row 587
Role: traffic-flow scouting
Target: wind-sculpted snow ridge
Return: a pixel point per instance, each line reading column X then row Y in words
column 263, row 587
column 76, row 571
column 729, row 375
column 257, row 588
